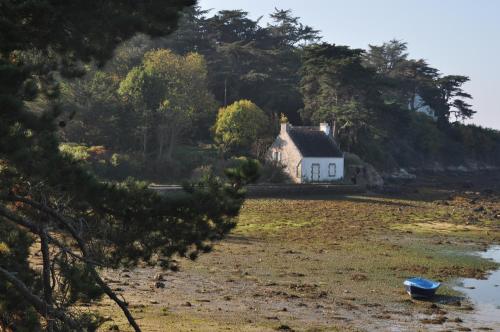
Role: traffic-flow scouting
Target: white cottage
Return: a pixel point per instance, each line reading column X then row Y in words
column 308, row 154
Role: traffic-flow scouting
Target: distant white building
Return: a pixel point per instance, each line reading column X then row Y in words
column 308, row 154
column 420, row 106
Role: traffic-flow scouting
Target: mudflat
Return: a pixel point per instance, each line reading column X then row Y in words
column 325, row 264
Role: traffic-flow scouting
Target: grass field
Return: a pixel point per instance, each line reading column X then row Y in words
column 323, row 264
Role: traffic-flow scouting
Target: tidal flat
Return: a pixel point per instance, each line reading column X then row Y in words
column 325, row 264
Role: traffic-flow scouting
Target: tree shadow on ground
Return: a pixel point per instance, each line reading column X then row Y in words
column 240, row 239
column 376, row 199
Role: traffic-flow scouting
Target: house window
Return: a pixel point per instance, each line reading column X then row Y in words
column 299, row 171
column 277, row 155
column 332, row 170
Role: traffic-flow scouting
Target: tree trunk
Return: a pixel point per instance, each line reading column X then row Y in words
column 144, row 143
column 161, row 142
column 171, row 143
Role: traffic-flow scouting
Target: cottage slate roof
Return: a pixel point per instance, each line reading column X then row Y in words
column 312, row 142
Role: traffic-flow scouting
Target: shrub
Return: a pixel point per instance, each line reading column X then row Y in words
column 239, row 125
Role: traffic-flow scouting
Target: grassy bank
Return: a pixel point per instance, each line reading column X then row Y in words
column 323, row 264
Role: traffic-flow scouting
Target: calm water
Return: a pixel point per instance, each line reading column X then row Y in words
column 485, row 294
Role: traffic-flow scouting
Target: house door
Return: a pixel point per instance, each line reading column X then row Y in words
column 315, row 172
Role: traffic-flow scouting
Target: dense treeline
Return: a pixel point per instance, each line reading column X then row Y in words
column 237, row 60
column 375, row 98
column 391, row 110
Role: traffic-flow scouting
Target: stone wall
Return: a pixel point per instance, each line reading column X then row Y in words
column 302, row 190
column 290, row 155
column 280, row 190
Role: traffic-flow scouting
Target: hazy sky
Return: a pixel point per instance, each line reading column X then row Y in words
column 456, row 36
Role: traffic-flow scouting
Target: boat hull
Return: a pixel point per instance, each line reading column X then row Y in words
column 414, row 291
column 420, row 287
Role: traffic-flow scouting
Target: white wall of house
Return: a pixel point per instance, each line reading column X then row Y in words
column 330, row 169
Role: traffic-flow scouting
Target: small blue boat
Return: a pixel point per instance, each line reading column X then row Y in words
column 420, row 287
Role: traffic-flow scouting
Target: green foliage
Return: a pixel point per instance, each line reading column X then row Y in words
column 477, row 143
column 365, row 95
column 169, row 93
column 427, row 138
column 288, row 31
column 373, row 97
column 81, row 222
column 387, row 59
column 337, row 88
column 102, row 162
column 77, row 152
column 405, row 80
column 239, row 125
column 243, row 170
column 15, row 311
column 414, row 139
column 81, row 285
column 187, row 159
column 83, row 29
column 152, row 100
column 272, row 172
column 447, row 98
column 246, row 60
column 94, row 113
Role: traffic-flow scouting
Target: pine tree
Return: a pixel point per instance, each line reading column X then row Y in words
column 337, row 88
column 49, row 202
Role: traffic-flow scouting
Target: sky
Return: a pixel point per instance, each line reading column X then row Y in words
column 459, row 37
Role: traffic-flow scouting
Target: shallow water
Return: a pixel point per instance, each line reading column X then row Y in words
column 485, row 294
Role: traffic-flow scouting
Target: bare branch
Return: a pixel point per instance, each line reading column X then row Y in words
column 34, row 228
column 81, row 245
column 46, row 274
column 41, row 306
column 68, row 251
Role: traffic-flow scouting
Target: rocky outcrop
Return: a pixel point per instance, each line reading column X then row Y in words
column 401, row 174
column 373, row 178
column 361, row 172
column 466, row 167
